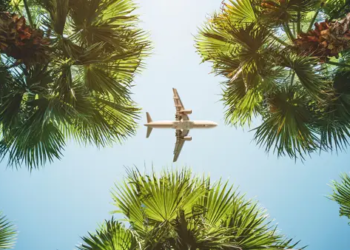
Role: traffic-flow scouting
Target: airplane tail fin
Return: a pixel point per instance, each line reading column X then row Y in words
column 149, row 129
column 149, row 119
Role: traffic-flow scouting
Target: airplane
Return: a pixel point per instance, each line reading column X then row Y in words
column 182, row 124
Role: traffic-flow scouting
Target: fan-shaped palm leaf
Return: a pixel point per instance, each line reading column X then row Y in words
column 241, row 11
column 82, row 91
column 162, row 197
column 261, row 67
column 112, row 235
column 336, row 8
column 176, row 210
column 341, row 194
column 7, row 233
column 287, row 127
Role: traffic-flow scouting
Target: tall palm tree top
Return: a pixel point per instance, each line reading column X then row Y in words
column 288, row 66
column 66, row 70
column 177, row 210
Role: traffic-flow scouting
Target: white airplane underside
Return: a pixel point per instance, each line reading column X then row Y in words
column 182, row 124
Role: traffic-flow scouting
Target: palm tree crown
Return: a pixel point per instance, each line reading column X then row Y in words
column 66, row 72
column 177, row 210
column 287, row 67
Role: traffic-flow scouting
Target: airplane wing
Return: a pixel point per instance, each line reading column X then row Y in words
column 179, row 107
column 179, row 142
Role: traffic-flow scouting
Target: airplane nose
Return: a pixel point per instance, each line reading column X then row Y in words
column 214, row 124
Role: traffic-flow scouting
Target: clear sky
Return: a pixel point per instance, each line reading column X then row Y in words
column 52, row 208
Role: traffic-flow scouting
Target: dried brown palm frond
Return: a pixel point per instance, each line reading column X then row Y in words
column 328, row 39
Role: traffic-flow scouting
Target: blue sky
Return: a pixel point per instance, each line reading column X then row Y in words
column 52, row 208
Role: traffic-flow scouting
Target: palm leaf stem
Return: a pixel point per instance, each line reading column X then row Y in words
column 313, row 20
column 292, row 79
column 299, row 23
column 9, row 66
column 279, row 40
column 288, row 31
column 28, row 13
column 294, row 30
column 338, row 64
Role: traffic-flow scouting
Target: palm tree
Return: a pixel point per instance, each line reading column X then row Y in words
column 341, row 194
column 7, row 233
column 281, row 70
column 176, row 210
column 66, row 73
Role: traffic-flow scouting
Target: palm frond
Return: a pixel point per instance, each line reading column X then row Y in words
column 58, row 11
column 303, row 106
column 275, row 13
column 341, row 194
column 251, row 229
column 217, row 203
column 5, row 5
column 163, row 197
column 308, row 74
column 176, row 210
column 195, row 233
column 335, row 9
column 30, row 146
column 7, row 233
column 242, row 103
column 332, row 123
column 286, row 128
column 107, row 121
column 112, row 235
column 82, row 90
column 241, row 11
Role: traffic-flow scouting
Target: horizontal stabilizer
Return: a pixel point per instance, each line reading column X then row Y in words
column 149, row 130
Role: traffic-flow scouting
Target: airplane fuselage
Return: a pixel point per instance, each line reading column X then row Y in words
column 184, row 125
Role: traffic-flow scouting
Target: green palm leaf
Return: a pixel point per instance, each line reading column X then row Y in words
column 301, row 101
column 194, row 233
column 336, row 8
column 287, row 127
column 163, row 197
column 307, row 74
column 274, row 13
column 58, row 10
column 112, row 235
column 7, row 233
column 176, row 210
column 82, row 89
column 341, row 194
column 241, row 11
column 333, row 123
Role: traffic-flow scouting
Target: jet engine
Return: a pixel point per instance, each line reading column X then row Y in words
column 187, row 138
column 187, row 111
